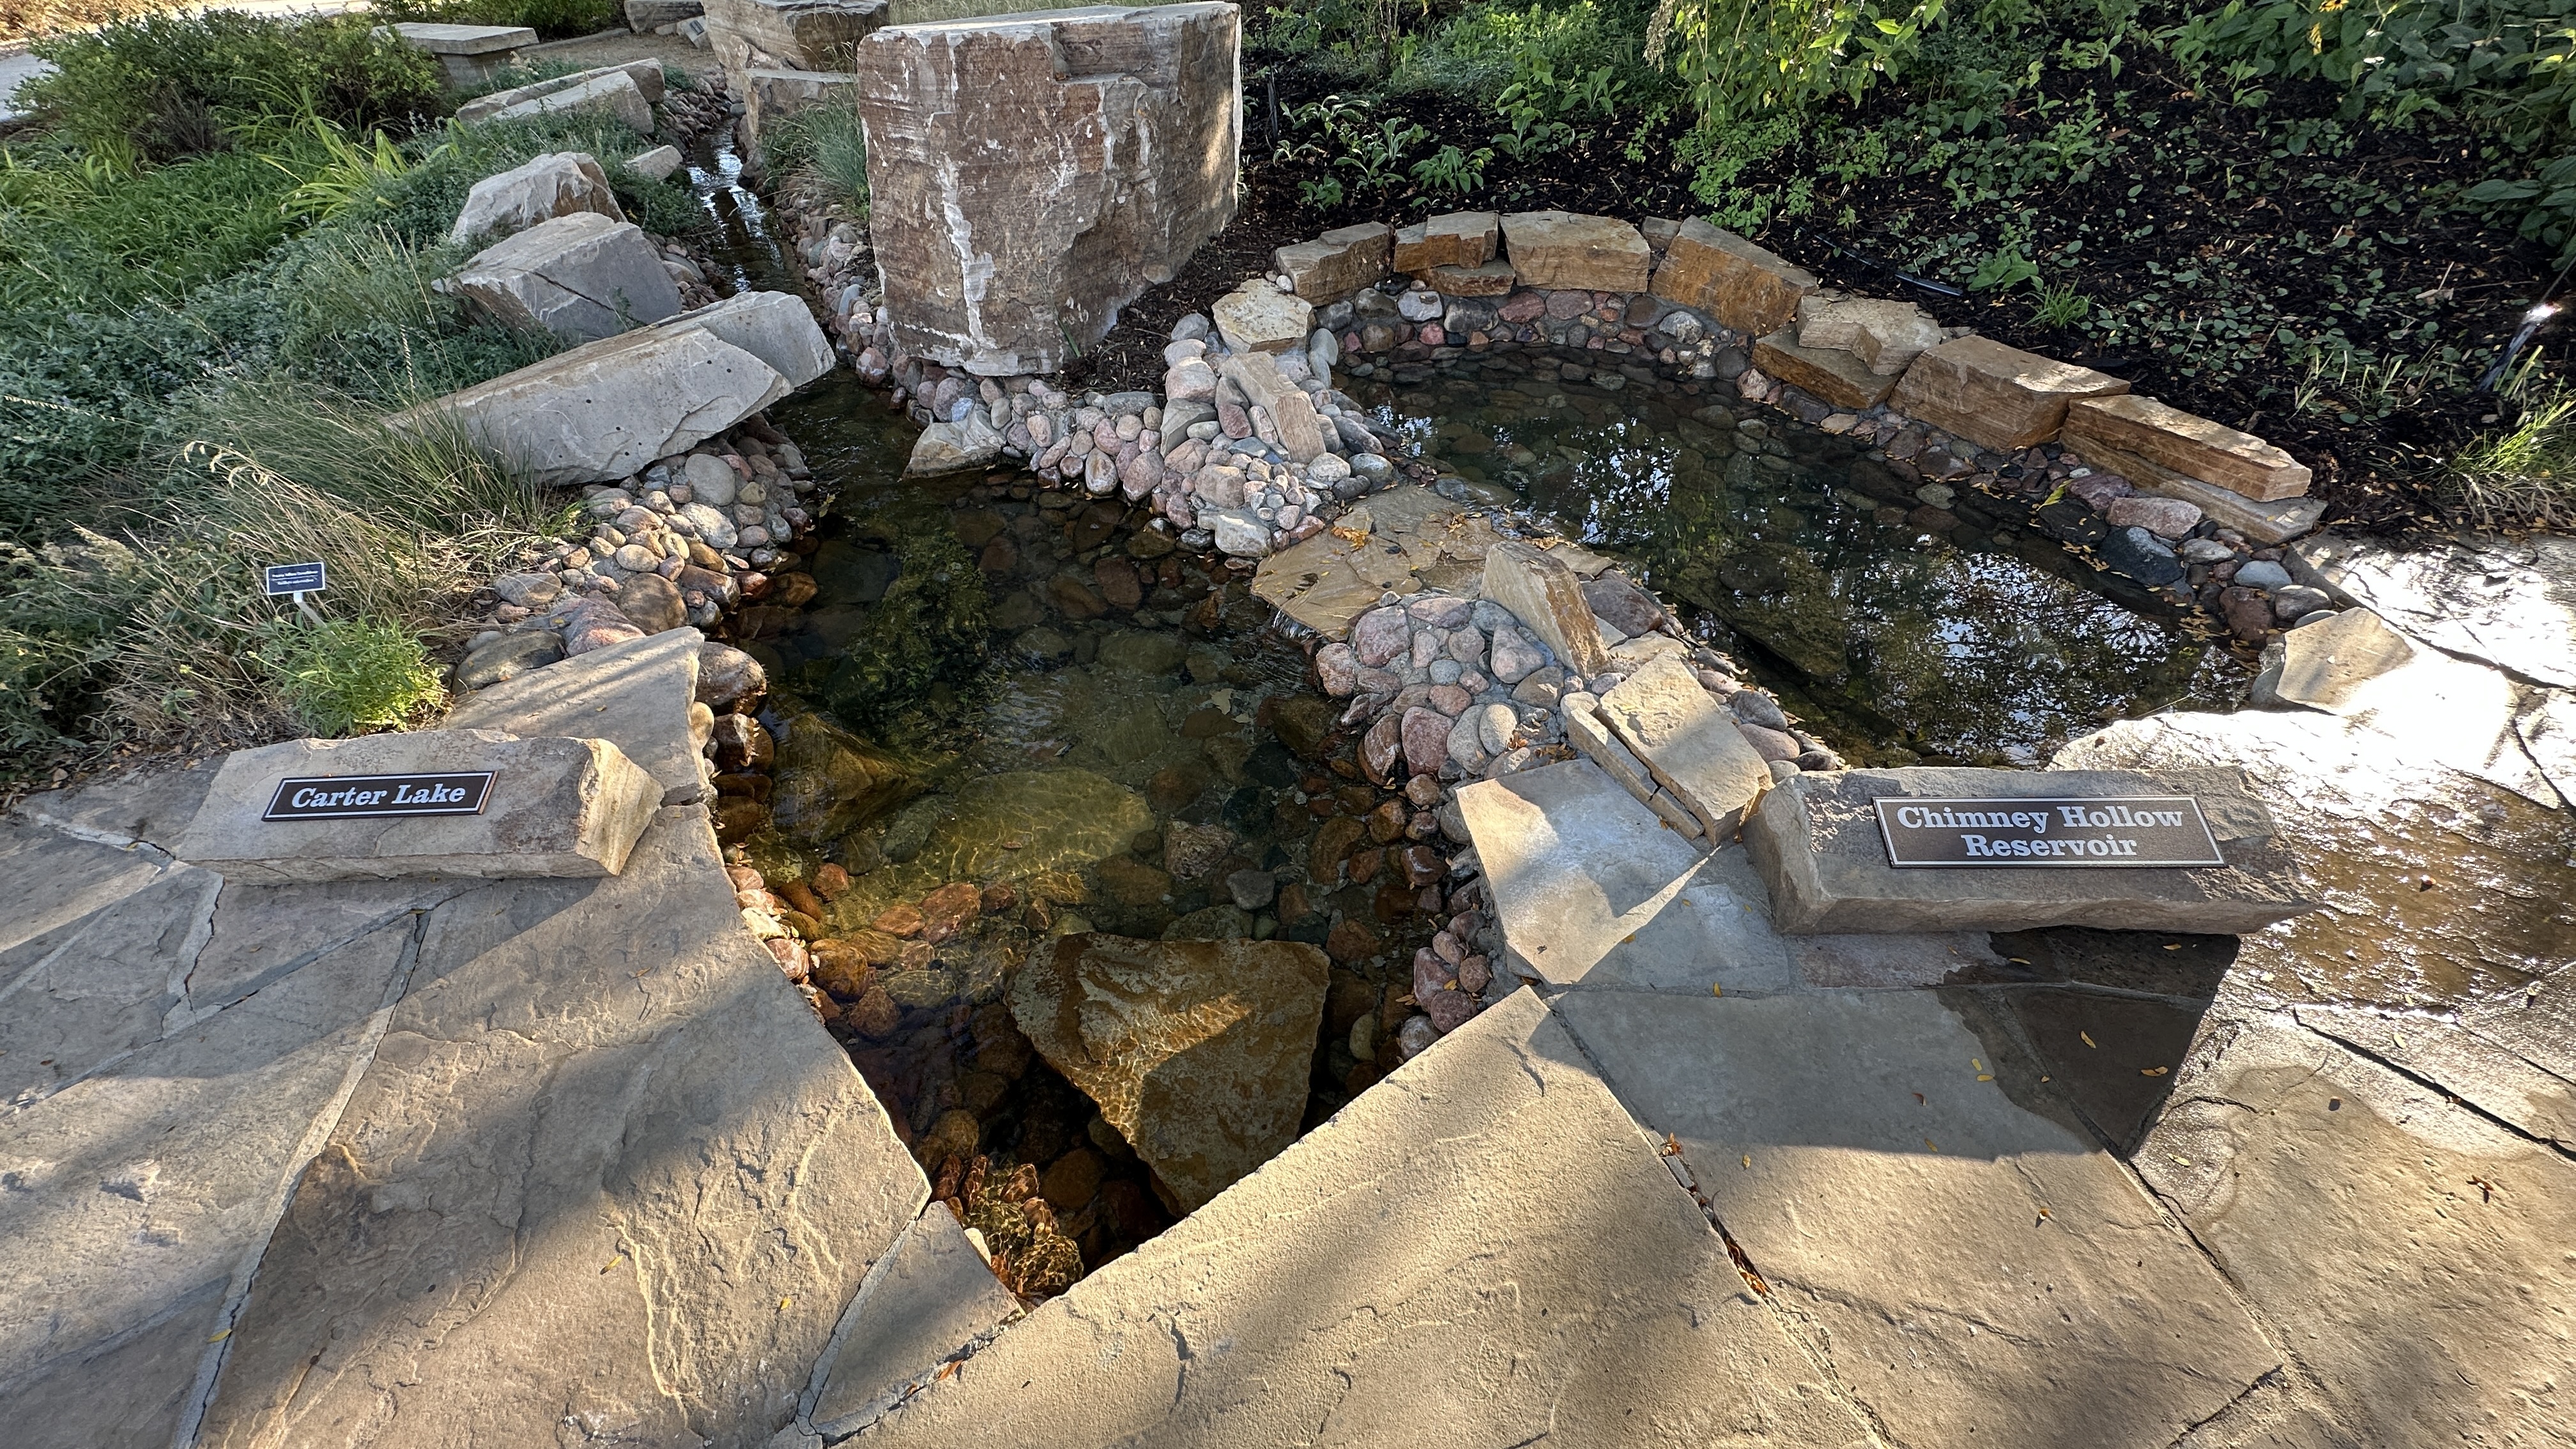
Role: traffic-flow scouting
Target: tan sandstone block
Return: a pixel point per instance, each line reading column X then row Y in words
column 1996, row 396
column 1560, row 250
column 1453, row 239
column 1258, row 317
column 1493, row 279
column 2178, row 443
column 1731, row 279
column 1339, row 262
column 1690, row 745
column 1884, row 334
column 1826, row 373
column 1548, row 600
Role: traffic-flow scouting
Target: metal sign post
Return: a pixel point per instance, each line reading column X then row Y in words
column 297, row 579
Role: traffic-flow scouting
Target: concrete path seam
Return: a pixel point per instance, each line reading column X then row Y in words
column 2553, row 1145
column 317, row 1135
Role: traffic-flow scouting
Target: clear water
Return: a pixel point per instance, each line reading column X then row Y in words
column 1978, row 645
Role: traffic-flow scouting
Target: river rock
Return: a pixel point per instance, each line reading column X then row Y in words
column 579, row 276
column 728, row 678
column 1819, row 847
column 539, row 189
column 829, row 782
column 2168, row 518
column 954, row 447
column 1426, row 739
column 1196, row 1051
column 1029, row 175
column 556, row 807
column 1548, row 600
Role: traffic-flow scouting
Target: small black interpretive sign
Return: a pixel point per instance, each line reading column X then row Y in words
column 2123, row 830
column 299, row 578
column 359, row 797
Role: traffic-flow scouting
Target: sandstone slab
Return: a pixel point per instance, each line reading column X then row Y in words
column 1490, row 1212
column 1301, row 434
column 1558, row 250
column 1691, row 745
column 1547, row 598
column 1196, row 1051
column 1966, row 1245
column 643, row 16
column 556, row 807
column 611, row 91
column 1339, row 262
column 1451, row 239
column 647, row 75
column 776, row 327
column 1818, row 843
column 1740, row 284
column 581, row 277
column 1404, row 539
column 1493, row 279
column 635, row 695
column 539, row 189
column 1996, row 396
column 1831, row 375
column 2325, row 665
column 2263, row 523
column 1030, row 175
column 2510, row 602
column 640, row 1176
column 1885, row 334
column 2130, row 429
column 2304, row 1168
column 816, row 35
column 1258, row 317
column 922, row 1303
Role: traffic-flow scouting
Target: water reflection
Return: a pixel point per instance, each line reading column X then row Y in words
column 1904, row 627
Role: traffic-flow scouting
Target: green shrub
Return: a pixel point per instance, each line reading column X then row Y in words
column 164, row 87
column 343, row 676
column 1550, row 51
column 2525, row 476
column 1744, row 59
column 550, row 19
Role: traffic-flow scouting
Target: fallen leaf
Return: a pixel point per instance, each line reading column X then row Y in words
column 1748, row 1159
column 1672, row 1145
column 2087, row 1038
column 2176, row 946
column 1717, row 991
column 1930, row 1146
column 1918, row 1100
column 220, row 1335
column 2153, row 1071
column 1624, row 940
column 2018, row 960
column 1985, row 1076
column 1974, row 1062
column 613, row 1262
column 2043, row 1217
column 947, row 1368
column 783, row 1302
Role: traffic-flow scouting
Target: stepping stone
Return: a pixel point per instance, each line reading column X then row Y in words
column 1690, row 744
column 2147, row 441
column 1996, row 396
column 1593, row 890
column 580, row 277
column 1821, row 849
column 636, row 695
column 551, row 807
column 643, row 1179
column 1892, row 1168
column 1731, row 279
column 1452, row 239
column 923, row 1302
column 1559, row 251
column 1359, row 1298
column 147, row 806
column 50, row 883
column 1547, row 597
column 2303, row 1169
column 1405, row 539
column 1339, row 262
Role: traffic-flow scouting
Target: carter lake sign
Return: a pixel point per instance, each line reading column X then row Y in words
column 2123, row 830
column 358, row 797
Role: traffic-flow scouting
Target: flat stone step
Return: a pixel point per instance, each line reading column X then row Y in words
column 1820, row 846
column 1482, row 1249
column 923, row 1303
column 635, row 695
column 1894, row 1169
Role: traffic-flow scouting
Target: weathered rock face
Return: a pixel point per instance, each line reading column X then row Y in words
column 1996, row 396
column 1557, row 249
column 2324, row 665
column 1831, row 375
column 1196, row 1051
column 557, row 807
column 580, row 276
column 540, row 189
column 1339, row 262
column 1692, row 748
column 635, row 695
column 1453, row 239
column 612, row 91
column 1884, row 334
column 647, row 75
column 1258, row 317
column 1731, row 279
column 1030, row 175
column 809, row 35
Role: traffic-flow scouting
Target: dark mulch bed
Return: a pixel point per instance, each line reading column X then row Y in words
column 2376, row 472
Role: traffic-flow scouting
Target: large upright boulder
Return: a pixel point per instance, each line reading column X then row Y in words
column 1197, row 1051
column 580, row 277
column 538, row 189
column 1029, row 175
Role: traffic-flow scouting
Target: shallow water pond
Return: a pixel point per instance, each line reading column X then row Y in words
column 1903, row 631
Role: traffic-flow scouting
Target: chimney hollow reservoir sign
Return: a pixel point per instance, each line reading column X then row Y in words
column 2123, row 830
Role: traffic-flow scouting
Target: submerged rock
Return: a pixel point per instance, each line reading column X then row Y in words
column 828, row 780
column 1196, row 1051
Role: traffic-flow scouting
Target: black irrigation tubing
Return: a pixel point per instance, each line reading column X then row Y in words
column 2536, row 317
column 1938, row 289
